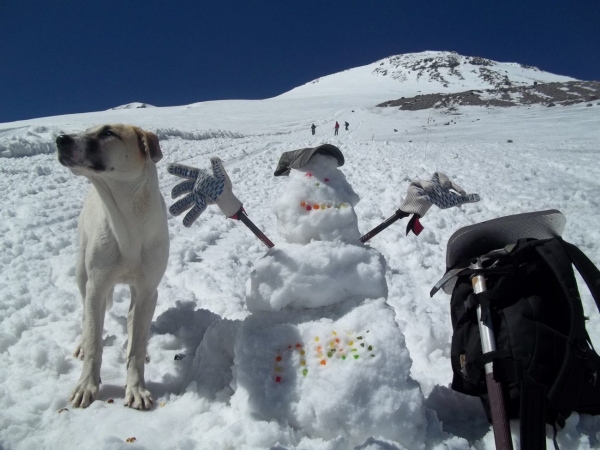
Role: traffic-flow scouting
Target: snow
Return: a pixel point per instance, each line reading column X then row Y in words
column 219, row 392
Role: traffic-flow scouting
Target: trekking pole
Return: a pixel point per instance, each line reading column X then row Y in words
column 382, row 226
column 241, row 215
column 500, row 423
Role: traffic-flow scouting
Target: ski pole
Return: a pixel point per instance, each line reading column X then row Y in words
column 382, row 226
column 500, row 423
column 241, row 215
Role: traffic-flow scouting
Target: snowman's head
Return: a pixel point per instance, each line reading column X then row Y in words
column 317, row 203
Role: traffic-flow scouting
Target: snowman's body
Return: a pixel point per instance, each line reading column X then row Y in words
column 322, row 349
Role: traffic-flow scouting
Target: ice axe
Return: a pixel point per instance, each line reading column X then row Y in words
column 243, row 217
column 500, row 422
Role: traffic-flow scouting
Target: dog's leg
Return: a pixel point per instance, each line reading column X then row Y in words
column 82, row 278
column 139, row 317
column 87, row 387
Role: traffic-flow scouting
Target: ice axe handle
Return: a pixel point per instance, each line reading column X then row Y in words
column 500, row 422
column 379, row 228
column 241, row 215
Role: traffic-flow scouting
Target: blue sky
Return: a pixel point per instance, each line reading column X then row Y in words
column 60, row 57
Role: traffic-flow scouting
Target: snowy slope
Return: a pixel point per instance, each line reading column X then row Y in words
column 551, row 163
column 315, row 102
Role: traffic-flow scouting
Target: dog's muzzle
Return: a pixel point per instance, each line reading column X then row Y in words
column 65, row 144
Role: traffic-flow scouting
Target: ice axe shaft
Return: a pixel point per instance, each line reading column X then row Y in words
column 500, row 423
column 382, row 226
column 241, row 215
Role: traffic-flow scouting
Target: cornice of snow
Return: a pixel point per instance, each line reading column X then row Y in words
column 133, row 105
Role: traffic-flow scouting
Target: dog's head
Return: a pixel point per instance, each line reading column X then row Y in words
column 108, row 150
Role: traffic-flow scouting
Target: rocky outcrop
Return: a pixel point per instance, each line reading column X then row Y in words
column 550, row 94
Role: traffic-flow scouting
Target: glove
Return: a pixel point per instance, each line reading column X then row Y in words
column 438, row 191
column 202, row 189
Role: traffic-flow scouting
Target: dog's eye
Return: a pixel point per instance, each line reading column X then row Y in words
column 107, row 133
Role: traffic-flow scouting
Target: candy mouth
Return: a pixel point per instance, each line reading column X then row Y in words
column 309, row 206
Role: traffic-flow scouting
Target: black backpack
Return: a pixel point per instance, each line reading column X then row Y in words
column 544, row 357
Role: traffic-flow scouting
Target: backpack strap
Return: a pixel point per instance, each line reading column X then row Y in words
column 533, row 404
column 586, row 268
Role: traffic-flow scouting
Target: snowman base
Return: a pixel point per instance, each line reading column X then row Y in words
column 341, row 370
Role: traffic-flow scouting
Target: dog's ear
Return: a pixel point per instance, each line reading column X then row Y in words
column 148, row 143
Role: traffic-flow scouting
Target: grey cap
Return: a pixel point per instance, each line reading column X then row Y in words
column 296, row 159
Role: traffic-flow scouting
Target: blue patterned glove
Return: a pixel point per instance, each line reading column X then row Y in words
column 202, row 189
column 439, row 191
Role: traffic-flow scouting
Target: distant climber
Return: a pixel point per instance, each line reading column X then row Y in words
column 313, row 127
column 346, row 124
column 336, row 128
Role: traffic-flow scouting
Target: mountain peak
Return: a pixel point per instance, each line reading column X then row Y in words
column 426, row 72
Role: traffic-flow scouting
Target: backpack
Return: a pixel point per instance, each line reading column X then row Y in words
column 544, row 357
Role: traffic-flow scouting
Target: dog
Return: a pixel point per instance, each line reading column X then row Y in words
column 123, row 238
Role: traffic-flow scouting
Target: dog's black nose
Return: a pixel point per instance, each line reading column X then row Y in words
column 63, row 140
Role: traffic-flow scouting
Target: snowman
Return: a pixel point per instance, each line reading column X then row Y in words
column 321, row 350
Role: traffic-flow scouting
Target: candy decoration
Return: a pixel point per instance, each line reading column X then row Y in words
column 334, row 333
column 304, row 372
column 323, row 362
column 356, row 356
column 370, row 347
column 302, row 352
column 278, row 358
column 308, row 208
column 316, row 206
column 343, row 356
column 277, row 369
column 317, row 339
column 302, row 362
column 277, row 379
column 326, row 180
column 302, row 204
column 298, row 345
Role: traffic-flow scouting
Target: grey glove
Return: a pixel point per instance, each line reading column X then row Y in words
column 439, row 191
column 202, row 189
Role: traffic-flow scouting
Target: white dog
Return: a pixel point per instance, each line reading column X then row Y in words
column 123, row 238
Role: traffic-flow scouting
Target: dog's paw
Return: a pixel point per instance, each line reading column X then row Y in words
column 78, row 353
column 138, row 397
column 84, row 394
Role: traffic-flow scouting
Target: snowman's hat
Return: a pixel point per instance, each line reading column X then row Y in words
column 296, row 159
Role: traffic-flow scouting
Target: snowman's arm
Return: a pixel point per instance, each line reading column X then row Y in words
column 379, row 228
column 439, row 191
column 242, row 216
